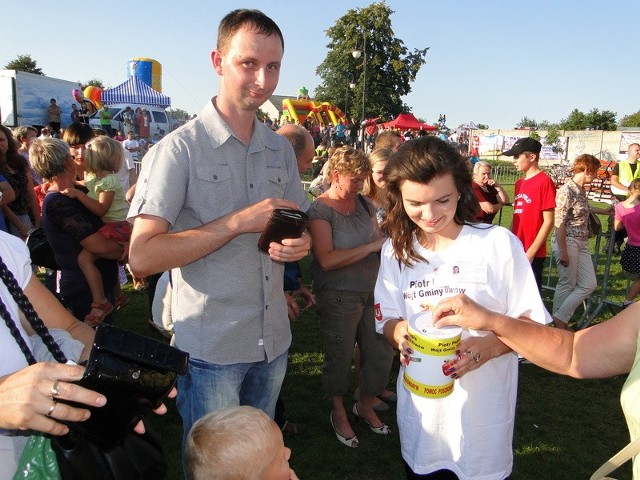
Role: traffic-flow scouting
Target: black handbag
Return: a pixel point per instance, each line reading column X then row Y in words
column 39, row 249
column 134, row 372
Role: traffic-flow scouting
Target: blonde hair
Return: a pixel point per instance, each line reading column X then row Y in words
column 347, row 160
column 49, row 157
column 23, row 131
column 103, row 153
column 230, row 444
column 370, row 189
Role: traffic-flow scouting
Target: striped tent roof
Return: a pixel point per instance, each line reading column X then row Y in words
column 136, row 92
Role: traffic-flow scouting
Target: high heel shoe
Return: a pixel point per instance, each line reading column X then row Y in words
column 381, row 430
column 349, row 442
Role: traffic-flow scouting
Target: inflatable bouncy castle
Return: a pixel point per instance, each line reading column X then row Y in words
column 301, row 109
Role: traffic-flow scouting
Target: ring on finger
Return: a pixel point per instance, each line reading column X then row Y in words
column 52, row 408
column 476, row 356
column 55, row 391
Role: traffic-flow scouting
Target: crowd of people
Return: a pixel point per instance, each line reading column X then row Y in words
column 397, row 228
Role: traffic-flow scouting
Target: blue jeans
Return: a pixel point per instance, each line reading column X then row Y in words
column 208, row 387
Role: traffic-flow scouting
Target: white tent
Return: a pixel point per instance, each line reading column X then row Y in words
column 136, row 92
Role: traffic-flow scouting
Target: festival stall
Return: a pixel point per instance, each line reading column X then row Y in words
column 135, row 91
column 406, row 121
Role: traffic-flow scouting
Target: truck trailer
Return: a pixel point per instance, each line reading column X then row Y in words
column 25, row 97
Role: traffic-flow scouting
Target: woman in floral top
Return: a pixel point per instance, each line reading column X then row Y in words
column 576, row 276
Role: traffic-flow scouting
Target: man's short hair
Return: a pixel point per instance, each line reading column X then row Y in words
column 387, row 139
column 23, row 131
column 237, row 19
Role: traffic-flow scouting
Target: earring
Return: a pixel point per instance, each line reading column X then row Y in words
column 459, row 197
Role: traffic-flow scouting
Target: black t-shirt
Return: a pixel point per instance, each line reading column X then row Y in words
column 67, row 222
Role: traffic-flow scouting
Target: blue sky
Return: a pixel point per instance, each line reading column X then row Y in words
column 491, row 62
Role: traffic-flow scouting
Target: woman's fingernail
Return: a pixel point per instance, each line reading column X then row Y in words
column 101, row 401
column 410, row 351
column 454, row 375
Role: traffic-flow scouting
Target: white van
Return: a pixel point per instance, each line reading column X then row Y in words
column 159, row 119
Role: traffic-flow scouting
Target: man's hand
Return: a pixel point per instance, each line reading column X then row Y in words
column 254, row 218
column 291, row 249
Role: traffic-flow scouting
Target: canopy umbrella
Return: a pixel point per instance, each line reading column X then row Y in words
column 406, row 121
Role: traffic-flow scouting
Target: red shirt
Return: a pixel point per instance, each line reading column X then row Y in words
column 533, row 196
column 490, row 196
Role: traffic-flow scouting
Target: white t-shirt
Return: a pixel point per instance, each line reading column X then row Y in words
column 132, row 144
column 470, row 431
column 15, row 255
column 125, row 168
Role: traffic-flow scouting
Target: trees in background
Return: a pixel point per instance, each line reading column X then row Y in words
column 577, row 120
column 390, row 66
column 594, row 120
column 632, row 120
column 24, row 63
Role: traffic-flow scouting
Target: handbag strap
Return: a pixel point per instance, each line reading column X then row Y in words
column 32, row 317
column 630, row 451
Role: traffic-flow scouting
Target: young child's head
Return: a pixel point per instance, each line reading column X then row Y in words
column 104, row 154
column 634, row 186
column 237, row 443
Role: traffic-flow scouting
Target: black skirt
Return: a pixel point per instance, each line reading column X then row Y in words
column 630, row 259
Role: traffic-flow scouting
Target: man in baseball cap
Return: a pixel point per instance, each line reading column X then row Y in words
column 526, row 144
column 534, row 204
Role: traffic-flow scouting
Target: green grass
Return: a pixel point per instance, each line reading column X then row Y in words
column 564, row 429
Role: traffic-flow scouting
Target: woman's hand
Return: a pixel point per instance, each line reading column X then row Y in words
column 397, row 334
column 30, row 398
column 293, row 310
column 563, row 259
column 377, row 245
column 70, row 192
column 463, row 312
column 473, row 352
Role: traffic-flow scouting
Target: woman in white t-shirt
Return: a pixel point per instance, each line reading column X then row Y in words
column 29, row 395
column 435, row 251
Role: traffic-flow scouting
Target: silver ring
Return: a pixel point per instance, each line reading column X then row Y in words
column 54, row 389
column 52, row 408
column 476, row 356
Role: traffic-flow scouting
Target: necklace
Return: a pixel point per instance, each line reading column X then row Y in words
column 344, row 206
